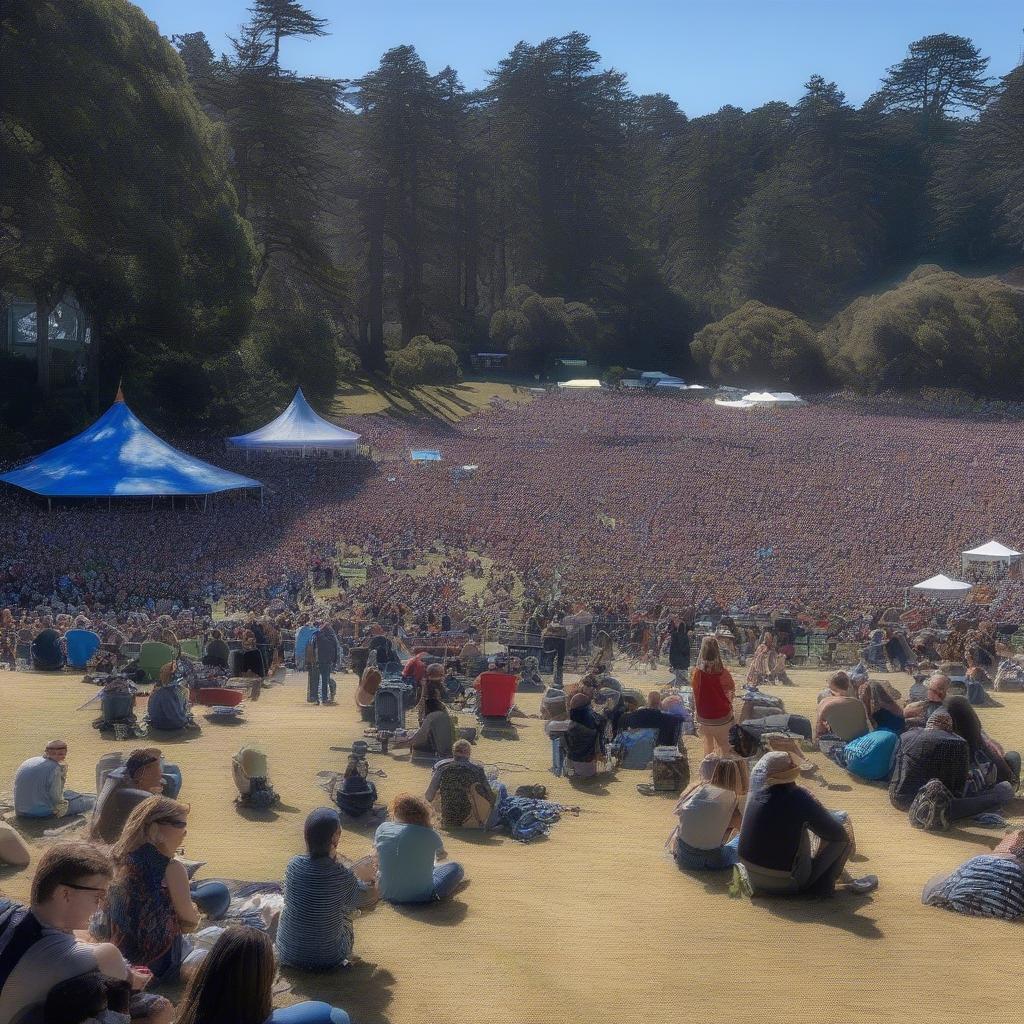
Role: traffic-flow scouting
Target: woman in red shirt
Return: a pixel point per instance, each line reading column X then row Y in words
column 713, row 691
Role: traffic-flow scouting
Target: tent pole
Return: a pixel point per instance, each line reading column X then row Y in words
column 206, row 498
column 49, row 504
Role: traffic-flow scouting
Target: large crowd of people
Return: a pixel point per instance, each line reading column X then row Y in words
column 609, row 500
column 638, row 511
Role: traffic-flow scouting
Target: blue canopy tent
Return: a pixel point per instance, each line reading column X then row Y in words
column 299, row 429
column 120, row 457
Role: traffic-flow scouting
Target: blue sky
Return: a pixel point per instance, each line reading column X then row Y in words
column 703, row 53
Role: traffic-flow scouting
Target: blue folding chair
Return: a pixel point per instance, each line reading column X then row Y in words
column 82, row 645
column 302, row 638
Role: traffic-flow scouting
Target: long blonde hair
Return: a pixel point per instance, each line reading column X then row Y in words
column 710, row 657
column 137, row 828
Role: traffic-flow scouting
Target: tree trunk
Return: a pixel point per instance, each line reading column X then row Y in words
column 374, row 212
column 471, row 298
column 93, row 369
column 43, row 344
column 412, row 259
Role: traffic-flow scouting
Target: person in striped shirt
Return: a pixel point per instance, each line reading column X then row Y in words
column 990, row 885
column 320, row 895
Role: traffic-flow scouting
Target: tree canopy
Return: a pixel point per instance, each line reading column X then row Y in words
column 552, row 212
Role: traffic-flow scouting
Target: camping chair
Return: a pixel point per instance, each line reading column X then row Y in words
column 389, row 708
column 497, row 692
column 636, row 747
column 302, row 638
column 82, row 645
column 556, row 731
column 153, row 656
column 216, row 696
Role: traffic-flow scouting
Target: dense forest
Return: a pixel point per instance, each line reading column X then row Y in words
column 234, row 228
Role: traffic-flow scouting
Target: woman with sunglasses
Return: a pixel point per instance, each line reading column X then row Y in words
column 151, row 904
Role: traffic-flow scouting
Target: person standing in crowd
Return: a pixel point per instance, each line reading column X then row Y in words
column 328, row 651
column 713, row 692
column 679, row 649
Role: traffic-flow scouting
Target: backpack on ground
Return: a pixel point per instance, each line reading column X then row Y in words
column 930, row 808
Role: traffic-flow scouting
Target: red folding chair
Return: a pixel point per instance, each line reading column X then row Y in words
column 497, row 692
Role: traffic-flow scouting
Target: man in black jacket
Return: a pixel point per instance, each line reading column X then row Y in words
column 936, row 752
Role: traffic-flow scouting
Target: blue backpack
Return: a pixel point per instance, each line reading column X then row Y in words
column 871, row 756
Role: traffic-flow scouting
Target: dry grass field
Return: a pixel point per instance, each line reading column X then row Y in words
column 596, row 921
column 447, row 402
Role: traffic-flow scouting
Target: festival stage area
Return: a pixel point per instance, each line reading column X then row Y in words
column 596, row 922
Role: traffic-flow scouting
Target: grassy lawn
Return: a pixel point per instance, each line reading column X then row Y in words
column 447, row 402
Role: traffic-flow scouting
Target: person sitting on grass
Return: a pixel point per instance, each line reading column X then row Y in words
column 151, row 905
column 936, row 691
column 460, row 792
column 251, row 775
column 139, row 778
column 709, row 813
column 652, row 717
column 13, row 850
column 354, row 793
column 988, row 885
column 369, row 684
column 584, row 739
column 989, row 763
column 39, row 786
column 840, row 717
column 407, row 848
column 89, row 998
column 884, row 710
column 775, row 846
column 217, row 651
column 39, row 948
column 320, row 896
column 168, row 708
column 434, row 736
column 937, row 752
column 234, row 983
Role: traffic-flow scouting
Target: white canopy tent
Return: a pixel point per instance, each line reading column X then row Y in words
column 300, row 429
column 773, row 398
column 942, row 586
column 991, row 559
column 580, row 382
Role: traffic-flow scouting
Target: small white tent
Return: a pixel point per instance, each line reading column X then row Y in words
column 991, row 559
column 942, row 586
column 579, row 382
column 772, row 398
column 299, row 429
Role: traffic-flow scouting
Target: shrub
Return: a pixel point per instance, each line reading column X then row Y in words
column 935, row 328
column 757, row 345
column 423, row 361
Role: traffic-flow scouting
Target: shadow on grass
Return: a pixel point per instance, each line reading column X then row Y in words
column 446, row 914
column 838, row 911
column 364, row 989
column 265, row 813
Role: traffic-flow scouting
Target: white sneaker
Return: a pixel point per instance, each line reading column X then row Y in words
column 865, row 884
